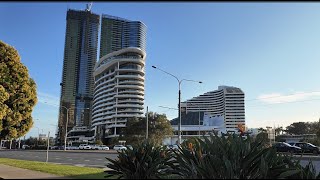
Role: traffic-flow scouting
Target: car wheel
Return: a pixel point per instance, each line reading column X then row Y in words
column 315, row 152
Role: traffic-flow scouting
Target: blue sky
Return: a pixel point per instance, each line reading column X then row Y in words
column 269, row 50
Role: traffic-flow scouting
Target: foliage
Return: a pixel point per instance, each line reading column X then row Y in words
column 17, row 94
column 235, row 157
column 278, row 131
column 146, row 161
column 99, row 142
column 298, row 128
column 158, row 128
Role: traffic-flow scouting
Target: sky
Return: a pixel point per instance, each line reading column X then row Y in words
column 269, row 50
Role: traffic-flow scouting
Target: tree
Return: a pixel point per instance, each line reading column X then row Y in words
column 158, row 128
column 298, row 128
column 99, row 142
column 17, row 94
column 278, row 131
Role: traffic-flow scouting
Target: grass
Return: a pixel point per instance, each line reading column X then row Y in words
column 56, row 169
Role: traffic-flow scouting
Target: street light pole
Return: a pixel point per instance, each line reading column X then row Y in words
column 147, row 124
column 179, row 82
column 66, row 133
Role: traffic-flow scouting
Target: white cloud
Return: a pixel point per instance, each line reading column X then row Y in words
column 274, row 98
column 48, row 99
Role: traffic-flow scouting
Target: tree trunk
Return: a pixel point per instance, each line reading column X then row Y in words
column 0, row 143
column 10, row 143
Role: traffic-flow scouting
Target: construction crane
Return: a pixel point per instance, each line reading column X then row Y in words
column 89, row 5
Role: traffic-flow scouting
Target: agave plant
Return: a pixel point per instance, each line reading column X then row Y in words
column 235, row 157
column 141, row 162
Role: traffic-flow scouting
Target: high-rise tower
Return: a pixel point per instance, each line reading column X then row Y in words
column 119, row 76
column 80, row 55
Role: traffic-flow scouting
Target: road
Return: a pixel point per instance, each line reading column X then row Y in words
column 77, row 158
column 97, row 158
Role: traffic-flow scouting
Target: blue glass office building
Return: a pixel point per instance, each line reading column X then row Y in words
column 80, row 56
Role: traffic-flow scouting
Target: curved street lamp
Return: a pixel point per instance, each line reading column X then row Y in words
column 179, row 108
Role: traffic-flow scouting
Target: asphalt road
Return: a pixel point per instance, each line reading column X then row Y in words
column 97, row 158
column 77, row 158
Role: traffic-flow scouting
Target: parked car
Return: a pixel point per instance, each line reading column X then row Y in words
column 25, row 147
column 119, row 147
column 84, row 146
column 307, row 147
column 72, row 147
column 285, row 147
column 129, row 146
column 100, row 147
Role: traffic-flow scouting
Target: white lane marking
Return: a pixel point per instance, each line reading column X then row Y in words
column 86, row 160
column 99, row 159
column 70, row 159
column 57, row 158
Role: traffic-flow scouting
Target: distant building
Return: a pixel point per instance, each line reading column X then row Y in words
column 119, row 76
column 223, row 108
column 80, row 55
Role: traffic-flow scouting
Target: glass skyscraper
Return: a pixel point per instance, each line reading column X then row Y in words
column 80, row 56
column 119, row 76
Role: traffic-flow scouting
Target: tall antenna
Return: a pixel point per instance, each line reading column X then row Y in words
column 89, row 5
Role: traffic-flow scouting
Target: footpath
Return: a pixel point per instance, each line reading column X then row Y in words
column 9, row 172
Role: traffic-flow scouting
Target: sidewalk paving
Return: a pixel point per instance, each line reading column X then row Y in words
column 9, row 172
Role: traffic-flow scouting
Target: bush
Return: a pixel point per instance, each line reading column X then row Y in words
column 141, row 162
column 235, row 157
column 226, row 157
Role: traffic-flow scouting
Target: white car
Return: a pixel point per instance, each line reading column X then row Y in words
column 119, row 147
column 102, row 147
column 72, row 147
column 25, row 147
column 84, row 146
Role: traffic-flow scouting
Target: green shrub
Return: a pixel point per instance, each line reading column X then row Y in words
column 226, row 157
column 141, row 162
column 235, row 157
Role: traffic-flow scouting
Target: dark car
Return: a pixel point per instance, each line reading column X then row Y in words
column 307, row 147
column 285, row 147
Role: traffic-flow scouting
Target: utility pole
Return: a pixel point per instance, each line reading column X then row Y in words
column 48, row 146
column 147, row 124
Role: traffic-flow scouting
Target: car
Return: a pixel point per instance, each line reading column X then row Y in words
column 84, row 146
column 307, row 147
column 285, row 147
column 72, row 147
column 100, row 147
column 25, row 147
column 119, row 147
column 129, row 146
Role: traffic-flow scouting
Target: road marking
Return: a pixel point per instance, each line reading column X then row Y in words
column 70, row 159
column 57, row 158
column 99, row 159
column 86, row 160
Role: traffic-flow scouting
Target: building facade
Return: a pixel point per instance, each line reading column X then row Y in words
column 80, row 56
column 119, row 76
column 223, row 108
